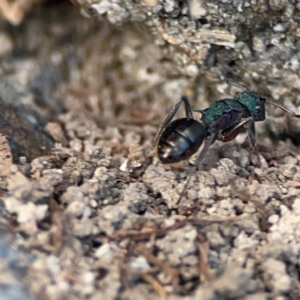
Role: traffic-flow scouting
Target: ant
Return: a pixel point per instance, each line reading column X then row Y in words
column 178, row 140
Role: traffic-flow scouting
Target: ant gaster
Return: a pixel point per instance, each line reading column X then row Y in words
column 179, row 139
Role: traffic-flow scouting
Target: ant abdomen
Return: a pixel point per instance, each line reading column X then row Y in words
column 180, row 140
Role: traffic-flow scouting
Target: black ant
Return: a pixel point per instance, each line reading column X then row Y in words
column 179, row 139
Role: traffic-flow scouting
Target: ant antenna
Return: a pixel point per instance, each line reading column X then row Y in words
column 291, row 113
column 237, row 85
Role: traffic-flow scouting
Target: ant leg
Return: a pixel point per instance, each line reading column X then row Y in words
column 209, row 141
column 291, row 113
column 252, row 138
column 172, row 113
column 233, row 132
column 247, row 123
column 187, row 106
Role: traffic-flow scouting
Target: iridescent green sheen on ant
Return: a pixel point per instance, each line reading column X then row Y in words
column 253, row 102
column 211, row 115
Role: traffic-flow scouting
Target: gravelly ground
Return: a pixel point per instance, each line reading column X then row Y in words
column 97, row 218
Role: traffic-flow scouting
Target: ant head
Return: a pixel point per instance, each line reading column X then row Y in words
column 254, row 102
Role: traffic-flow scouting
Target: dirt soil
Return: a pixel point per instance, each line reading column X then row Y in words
column 87, row 210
